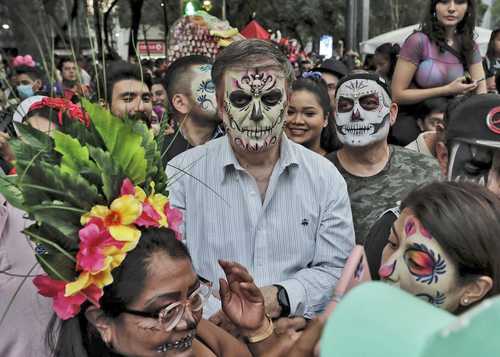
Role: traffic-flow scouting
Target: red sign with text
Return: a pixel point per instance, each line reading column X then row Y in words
column 155, row 47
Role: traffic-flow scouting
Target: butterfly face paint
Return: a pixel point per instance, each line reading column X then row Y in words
column 203, row 89
column 414, row 261
column 254, row 107
column 363, row 111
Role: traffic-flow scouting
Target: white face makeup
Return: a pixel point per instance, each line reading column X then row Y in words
column 414, row 261
column 203, row 89
column 363, row 111
column 254, row 107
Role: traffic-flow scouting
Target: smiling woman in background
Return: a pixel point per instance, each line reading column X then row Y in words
column 308, row 121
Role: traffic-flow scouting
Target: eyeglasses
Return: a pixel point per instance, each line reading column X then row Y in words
column 170, row 315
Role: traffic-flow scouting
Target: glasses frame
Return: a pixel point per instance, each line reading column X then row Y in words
column 159, row 315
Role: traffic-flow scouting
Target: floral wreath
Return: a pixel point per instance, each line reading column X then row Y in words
column 88, row 194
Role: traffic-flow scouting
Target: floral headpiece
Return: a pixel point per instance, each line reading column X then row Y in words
column 23, row 61
column 63, row 105
column 89, row 188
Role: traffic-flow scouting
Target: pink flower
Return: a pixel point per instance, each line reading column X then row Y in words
column 149, row 216
column 174, row 218
column 65, row 307
column 127, row 188
column 94, row 237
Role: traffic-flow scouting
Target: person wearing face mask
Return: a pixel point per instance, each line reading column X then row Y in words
column 29, row 81
column 377, row 174
column 269, row 203
column 192, row 105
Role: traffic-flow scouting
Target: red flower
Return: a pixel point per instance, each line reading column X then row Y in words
column 74, row 111
column 65, row 307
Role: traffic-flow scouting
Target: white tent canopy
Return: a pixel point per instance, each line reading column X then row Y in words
column 399, row 36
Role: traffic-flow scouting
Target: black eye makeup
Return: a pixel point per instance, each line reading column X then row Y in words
column 240, row 99
column 345, row 105
column 369, row 102
column 272, row 98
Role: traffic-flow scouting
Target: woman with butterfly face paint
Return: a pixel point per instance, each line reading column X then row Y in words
column 444, row 246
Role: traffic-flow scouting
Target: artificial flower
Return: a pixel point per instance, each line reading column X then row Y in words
column 73, row 110
column 118, row 218
column 65, row 307
column 86, row 279
column 152, row 205
column 174, row 218
column 92, row 255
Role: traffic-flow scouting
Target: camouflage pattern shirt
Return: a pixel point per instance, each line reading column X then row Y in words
column 371, row 196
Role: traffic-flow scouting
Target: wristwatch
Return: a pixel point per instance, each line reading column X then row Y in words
column 284, row 301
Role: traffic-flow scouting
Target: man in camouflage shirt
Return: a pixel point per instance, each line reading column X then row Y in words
column 377, row 174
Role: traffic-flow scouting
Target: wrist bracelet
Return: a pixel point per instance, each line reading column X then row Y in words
column 263, row 335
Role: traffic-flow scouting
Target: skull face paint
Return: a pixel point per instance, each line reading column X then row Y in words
column 363, row 112
column 203, row 89
column 414, row 261
column 254, row 107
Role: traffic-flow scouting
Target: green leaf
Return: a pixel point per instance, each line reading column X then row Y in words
column 112, row 176
column 54, row 214
column 51, row 259
column 155, row 170
column 121, row 141
column 75, row 157
column 10, row 190
column 59, row 186
column 34, row 137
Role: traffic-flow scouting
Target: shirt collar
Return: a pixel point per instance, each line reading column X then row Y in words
column 288, row 156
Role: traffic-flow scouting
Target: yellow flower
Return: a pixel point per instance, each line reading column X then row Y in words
column 118, row 218
column 87, row 279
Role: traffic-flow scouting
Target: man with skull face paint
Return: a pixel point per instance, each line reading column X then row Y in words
column 192, row 105
column 376, row 173
column 266, row 202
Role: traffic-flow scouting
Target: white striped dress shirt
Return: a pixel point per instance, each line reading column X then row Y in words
column 299, row 237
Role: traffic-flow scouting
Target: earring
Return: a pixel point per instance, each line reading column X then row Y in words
column 465, row 301
column 434, row 14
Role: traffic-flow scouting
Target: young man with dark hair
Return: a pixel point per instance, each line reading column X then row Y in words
column 127, row 92
column 272, row 205
column 192, row 105
column 72, row 81
column 430, row 118
column 29, row 81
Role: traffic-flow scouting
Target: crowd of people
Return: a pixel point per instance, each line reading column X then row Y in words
column 233, row 207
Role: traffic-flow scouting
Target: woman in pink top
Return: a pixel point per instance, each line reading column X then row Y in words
column 433, row 61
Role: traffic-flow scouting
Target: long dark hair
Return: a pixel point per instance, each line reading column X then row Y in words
column 464, row 218
column 391, row 52
column 76, row 337
column 317, row 86
column 465, row 29
column 491, row 52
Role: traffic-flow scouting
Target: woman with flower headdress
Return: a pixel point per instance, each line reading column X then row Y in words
column 309, row 115
column 120, row 280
